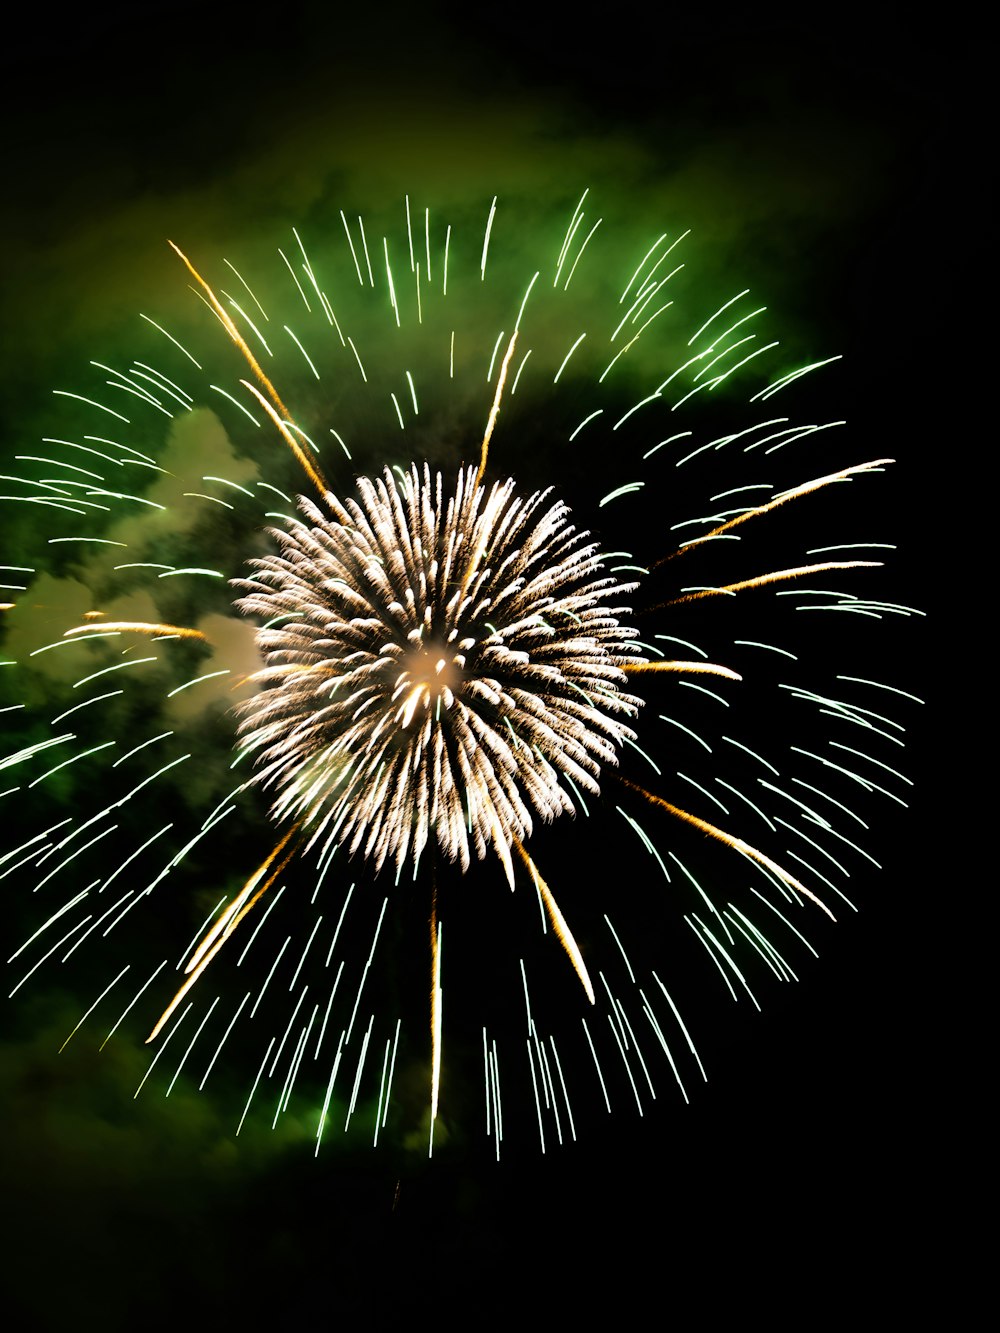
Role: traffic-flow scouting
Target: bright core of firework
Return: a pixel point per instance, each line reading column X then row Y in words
column 436, row 663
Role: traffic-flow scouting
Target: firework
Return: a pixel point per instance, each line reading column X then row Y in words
column 421, row 678
column 442, row 664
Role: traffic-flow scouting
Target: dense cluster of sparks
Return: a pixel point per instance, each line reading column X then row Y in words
column 439, row 666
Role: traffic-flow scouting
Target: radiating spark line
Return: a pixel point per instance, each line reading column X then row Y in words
column 161, row 1048
column 661, row 1038
column 760, row 946
column 543, row 1061
column 286, row 1087
column 565, row 361
column 358, row 1071
column 100, row 997
column 134, row 627
column 597, row 1065
column 293, row 1072
column 329, row 1006
column 392, row 1068
column 746, row 799
column 534, row 1086
column 79, row 852
column 635, row 1045
column 291, row 1022
column 224, row 927
column 730, row 841
column 495, row 409
column 368, row 963
column 381, row 1094
column 486, row 239
column 225, row 1037
column 308, row 467
column 721, row 949
column 562, row 930
column 776, row 576
column 628, row 1067
column 254, row 1087
column 579, row 256
column 806, row 488
column 709, row 668
column 145, row 985
column 436, row 1020
column 329, row 1091
column 66, row 907
column 267, row 980
column 571, row 229
column 231, row 329
column 184, row 1057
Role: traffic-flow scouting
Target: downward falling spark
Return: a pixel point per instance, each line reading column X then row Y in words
column 562, row 930
column 221, row 930
column 730, row 840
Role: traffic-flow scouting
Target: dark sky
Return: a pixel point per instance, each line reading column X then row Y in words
column 810, row 158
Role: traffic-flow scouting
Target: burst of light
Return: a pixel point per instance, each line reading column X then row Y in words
column 445, row 657
column 445, row 665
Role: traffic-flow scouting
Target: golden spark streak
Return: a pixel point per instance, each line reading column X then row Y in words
column 562, row 930
column 730, row 840
column 221, row 930
column 237, row 337
column 135, row 627
column 706, row 668
column 230, row 328
column 495, row 409
column 477, row 553
column 776, row 576
column 805, row 489
column 303, row 459
column 435, row 1012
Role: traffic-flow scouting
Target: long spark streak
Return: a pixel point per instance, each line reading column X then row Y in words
column 436, row 1019
column 730, row 840
column 708, row 668
column 776, row 576
column 135, row 627
column 231, row 329
column 224, row 927
column 272, row 393
column 806, row 488
column 495, row 409
column 562, row 930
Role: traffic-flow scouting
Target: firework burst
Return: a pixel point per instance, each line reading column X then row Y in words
column 441, row 666
column 428, row 672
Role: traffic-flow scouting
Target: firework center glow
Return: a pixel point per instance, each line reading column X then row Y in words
column 430, row 677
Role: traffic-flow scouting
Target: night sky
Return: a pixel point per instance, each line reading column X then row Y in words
column 809, row 162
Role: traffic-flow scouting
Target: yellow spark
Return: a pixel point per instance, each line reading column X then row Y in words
column 476, row 554
column 221, row 930
column 435, row 1012
column 706, row 668
column 776, row 576
column 495, row 409
column 230, row 327
column 805, row 489
column 258, row 371
column 730, row 840
column 308, row 467
column 134, row 627
column 562, row 930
